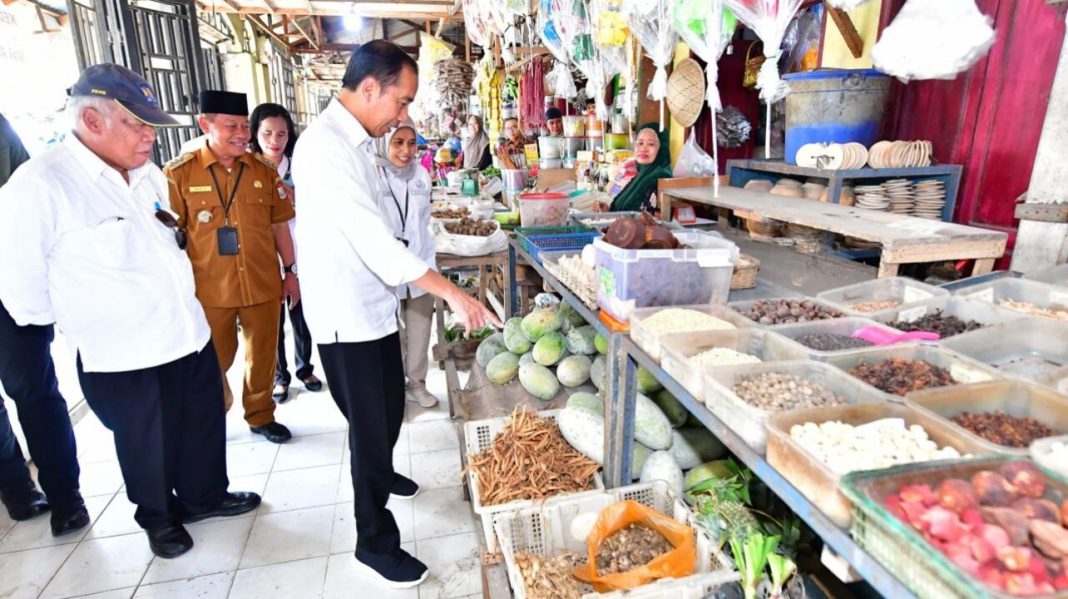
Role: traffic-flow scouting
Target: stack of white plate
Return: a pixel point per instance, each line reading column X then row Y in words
column 900, row 194
column 872, row 197
column 930, row 198
column 832, row 156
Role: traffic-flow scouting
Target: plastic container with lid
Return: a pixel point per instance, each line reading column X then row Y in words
column 630, row 279
column 958, row 307
column 835, row 326
column 1041, row 452
column 594, row 126
column 750, row 422
column 649, row 340
column 676, row 350
column 543, row 209
column 1015, row 398
column 962, row 369
column 616, row 141
column 1042, row 295
column 550, row 148
column 1031, row 349
column 744, row 306
column 514, row 179
column 904, row 291
column 574, row 126
column 550, row 163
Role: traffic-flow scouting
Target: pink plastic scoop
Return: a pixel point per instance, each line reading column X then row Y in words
column 877, row 336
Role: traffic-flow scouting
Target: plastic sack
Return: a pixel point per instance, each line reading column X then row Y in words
column 476, row 29
column 680, row 561
column 933, row 39
column 769, row 19
column 549, row 32
column 467, row 245
column 693, row 161
column 562, row 82
column 650, row 22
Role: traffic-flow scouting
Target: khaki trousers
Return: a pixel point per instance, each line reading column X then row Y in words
column 259, row 328
column 416, row 315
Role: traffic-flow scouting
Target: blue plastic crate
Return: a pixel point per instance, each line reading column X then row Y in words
column 536, row 244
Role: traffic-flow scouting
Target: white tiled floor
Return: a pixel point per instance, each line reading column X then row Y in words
column 299, row 544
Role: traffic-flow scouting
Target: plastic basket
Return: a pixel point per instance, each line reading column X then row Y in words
column 479, row 435
column 921, row 567
column 546, row 531
column 558, row 243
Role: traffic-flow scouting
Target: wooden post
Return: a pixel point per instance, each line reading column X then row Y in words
column 467, row 47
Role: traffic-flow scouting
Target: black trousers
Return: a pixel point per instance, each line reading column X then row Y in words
column 302, row 347
column 29, row 378
column 170, row 433
column 367, row 383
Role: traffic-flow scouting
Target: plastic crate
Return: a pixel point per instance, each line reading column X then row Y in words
column 650, row 341
column 631, row 279
column 1042, row 295
column 1031, row 349
column 921, row 567
column 547, row 530
column 903, row 290
column 479, row 435
column 743, row 306
column 535, row 240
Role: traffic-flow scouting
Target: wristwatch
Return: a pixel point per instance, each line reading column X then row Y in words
column 292, row 268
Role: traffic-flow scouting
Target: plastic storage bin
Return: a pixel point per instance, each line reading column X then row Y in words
column 751, row 423
column 630, row 279
column 550, row 148
column 903, row 290
column 1040, row 452
column 922, row 568
column 1042, row 295
column 835, row 326
column 650, row 340
column 963, row 369
column 574, row 126
column 1031, row 349
column 1015, row 398
column 1054, row 275
column 964, row 309
column 742, row 307
column 834, row 106
column 814, row 479
column 478, row 435
column 543, row 209
column 550, row 530
column 678, row 348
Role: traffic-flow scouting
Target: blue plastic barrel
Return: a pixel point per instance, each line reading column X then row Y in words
column 834, row 105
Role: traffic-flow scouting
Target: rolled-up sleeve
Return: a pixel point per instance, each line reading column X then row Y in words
column 27, row 232
column 331, row 179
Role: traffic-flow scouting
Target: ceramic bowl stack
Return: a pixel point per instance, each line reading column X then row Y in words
column 814, row 190
column 900, row 193
column 872, row 197
column 930, row 198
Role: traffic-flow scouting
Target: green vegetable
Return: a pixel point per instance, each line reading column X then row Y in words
column 751, row 557
column 707, row 446
column 583, row 430
column 571, row 316
column 672, row 408
column 651, row 426
column 646, row 383
column 490, row 347
column 600, row 343
column 539, row 381
column 586, row 401
column 704, row 472
column 660, row 465
column 502, row 368
column 580, row 340
column 572, row 370
column 599, row 372
column 782, row 569
column 491, row 171
column 514, row 339
column 549, row 349
column 638, row 454
column 527, row 358
column 721, row 507
column 540, row 322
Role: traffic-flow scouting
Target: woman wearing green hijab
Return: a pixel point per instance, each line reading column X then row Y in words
column 654, row 163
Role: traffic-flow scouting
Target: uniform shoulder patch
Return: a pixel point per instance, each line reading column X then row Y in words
column 265, row 161
column 179, row 161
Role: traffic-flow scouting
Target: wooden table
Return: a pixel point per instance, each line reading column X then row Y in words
column 903, row 239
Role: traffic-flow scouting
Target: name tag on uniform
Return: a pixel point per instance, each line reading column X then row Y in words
column 199, row 188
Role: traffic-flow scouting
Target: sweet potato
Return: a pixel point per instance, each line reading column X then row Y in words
column 1049, row 538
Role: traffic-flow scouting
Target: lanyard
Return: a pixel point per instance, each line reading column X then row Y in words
column 233, row 191
column 403, row 213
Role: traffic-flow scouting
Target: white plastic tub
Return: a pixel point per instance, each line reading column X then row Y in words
column 1042, row 295
column 903, row 290
column 649, row 340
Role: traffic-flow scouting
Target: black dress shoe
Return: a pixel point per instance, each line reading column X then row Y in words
column 169, row 541
column 403, row 487
column 25, row 504
column 234, row 504
column 273, row 432
column 312, row 383
column 69, row 518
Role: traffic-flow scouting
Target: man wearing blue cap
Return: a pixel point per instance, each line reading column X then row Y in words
column 88, row 244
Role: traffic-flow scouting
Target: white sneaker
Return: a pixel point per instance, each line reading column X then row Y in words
column 421, row 396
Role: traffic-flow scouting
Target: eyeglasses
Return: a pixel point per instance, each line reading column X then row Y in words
column 168, row 220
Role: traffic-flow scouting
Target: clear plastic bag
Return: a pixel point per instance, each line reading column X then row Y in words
column 845, row 4
column 769, row 19
column 650, row 22
column 693, row 161
column 933, row 39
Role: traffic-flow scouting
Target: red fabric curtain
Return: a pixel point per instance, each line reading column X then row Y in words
column 731, row 70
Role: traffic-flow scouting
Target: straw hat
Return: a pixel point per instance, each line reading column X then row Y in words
column 686, row 92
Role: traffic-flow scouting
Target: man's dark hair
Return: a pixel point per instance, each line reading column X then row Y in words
column 380, row 60
column 266, row 111
column 511, row 118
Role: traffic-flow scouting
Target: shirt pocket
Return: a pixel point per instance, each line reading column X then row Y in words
column 255, row 211
column 109, row 242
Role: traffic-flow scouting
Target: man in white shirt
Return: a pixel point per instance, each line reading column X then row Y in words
column 350, row 267
column 88, row 244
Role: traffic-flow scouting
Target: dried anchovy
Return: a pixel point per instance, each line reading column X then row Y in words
column 529, row 459
column 899, row 377
column 1003, row 429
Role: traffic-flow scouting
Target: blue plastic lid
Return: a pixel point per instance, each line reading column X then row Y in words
column 832, row 74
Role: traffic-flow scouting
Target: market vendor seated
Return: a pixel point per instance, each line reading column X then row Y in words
column 654, row 163
column 514, row 141
column 554, row 122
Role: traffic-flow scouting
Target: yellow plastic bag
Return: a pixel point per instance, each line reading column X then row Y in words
column 680, row 561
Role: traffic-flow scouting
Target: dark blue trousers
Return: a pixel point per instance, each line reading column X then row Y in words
column 302, row 347
column 29, row 378
column 169, row 424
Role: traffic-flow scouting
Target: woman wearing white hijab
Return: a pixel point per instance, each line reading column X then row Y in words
column 476, row 148
column 406, row 206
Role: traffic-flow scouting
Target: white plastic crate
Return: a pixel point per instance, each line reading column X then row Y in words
column 551, row 529
column 650, row 341
column 479, row 435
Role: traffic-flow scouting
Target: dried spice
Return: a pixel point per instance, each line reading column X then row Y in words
column 831, row 342
column 529, row 459
column 784, row 311
column 874, row 306
column 937, row 322
column 550, row 577
column 629, row 548
column 777, row 391
column 899, row 376
column 1002, row 429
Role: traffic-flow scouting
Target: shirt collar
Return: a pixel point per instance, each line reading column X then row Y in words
column 349, row 124
column 207, row 157
column 95, row 166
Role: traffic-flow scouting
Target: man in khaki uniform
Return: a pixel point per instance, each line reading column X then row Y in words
column 236, row 210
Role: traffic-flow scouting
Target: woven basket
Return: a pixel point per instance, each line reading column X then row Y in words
column 686, row 92
column 745, row 272
column 761, row 230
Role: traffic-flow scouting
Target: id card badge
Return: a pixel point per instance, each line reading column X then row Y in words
column 227, row 237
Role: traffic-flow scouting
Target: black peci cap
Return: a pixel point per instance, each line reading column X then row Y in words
column 220, row 102
column 553, row 113
column 127, row 88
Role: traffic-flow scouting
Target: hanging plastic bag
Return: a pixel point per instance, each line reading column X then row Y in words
column 845, row 4
column 769, row 19
column 476, row 29
column 549, row 32
column 563, row 83
column 650, row 22
column 610, row 33
column 693, row 161
column 933, row 39
column 680, row 561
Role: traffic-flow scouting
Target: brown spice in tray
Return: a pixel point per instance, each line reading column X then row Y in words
column 629, row 548
column 1003, row 429
column 937, row 322
column 899, row 376
column 551, row 577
